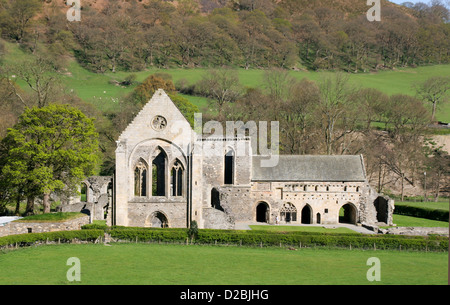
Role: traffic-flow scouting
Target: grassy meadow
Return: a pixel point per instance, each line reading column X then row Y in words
column 153, row 264
column 104, row 94
column 97, row 89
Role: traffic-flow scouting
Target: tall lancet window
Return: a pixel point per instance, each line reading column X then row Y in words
column 159, row 175
column 140, row 179
column 177, row 179
column 229, row 167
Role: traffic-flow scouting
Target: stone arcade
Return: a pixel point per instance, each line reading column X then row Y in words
column 168, row 175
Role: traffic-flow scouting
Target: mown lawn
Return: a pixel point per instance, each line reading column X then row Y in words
column 209, row 265
column 440, row 205
column 409, row 221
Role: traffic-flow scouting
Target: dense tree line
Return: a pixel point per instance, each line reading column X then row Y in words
column 133, row 35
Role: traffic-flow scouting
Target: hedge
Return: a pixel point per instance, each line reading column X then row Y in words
column 28, row 239
column 236, row 237
column 145, row 234
column 433, row 214
column 327, row 240
column 294, row 239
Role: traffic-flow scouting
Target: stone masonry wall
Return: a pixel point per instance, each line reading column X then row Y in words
column 17, row 227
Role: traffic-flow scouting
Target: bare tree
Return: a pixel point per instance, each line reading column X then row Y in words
column 333, row 105
column 40, row 75
column 434, row 90
column 221, row 86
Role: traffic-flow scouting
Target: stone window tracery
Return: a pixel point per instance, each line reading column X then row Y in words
column 288, row 212
column 177, row 179
column 140, row 179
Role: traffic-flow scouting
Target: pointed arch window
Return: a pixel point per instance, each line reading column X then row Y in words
column 229, row 167
column 140, row 179
column 177, row 179
column 288, row 212
column 159, row 175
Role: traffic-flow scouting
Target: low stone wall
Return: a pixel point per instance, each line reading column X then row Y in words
column 18, row 227
column 418, row 231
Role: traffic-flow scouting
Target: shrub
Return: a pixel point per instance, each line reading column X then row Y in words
column 61, row 236
column 427, row 213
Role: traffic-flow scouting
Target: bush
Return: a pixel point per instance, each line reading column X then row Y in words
column 147, row 234
column 61, row 236
column 427, row 213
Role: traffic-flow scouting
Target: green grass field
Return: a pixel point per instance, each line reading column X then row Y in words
column 211, row 265
column 440, row 205
column 97, row 89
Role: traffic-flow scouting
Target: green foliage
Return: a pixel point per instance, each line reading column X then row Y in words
column 186, row 108
column 193, row 230
column 275, row 239
column 422, row 212
column 61, row 236
column 143, row 234
column 50, row 148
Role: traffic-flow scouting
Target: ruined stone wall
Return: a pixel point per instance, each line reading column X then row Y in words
column 98, row 199
column 141, row 213
column 17, row 227
column 323, row 201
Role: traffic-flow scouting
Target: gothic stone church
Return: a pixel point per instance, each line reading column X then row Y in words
column 168, row 175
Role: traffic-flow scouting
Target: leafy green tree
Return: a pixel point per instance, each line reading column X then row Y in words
column 186, row 108
column 52, row 148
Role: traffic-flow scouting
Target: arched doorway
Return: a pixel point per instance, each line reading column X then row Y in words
column 157, row 220
column 318, row 218
column 306, row 214
column 262, row 212
column 347, row 214
column 84, row 192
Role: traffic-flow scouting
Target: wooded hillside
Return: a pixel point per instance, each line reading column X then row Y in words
column 132, row 35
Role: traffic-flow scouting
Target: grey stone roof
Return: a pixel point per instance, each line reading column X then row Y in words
column 310, row 168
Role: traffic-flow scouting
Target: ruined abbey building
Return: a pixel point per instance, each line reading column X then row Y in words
column 168, row 175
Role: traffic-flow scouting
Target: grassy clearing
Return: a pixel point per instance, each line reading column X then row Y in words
column 91, row 86
column 440, row 205
column 409, row 221
column 210, row 265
